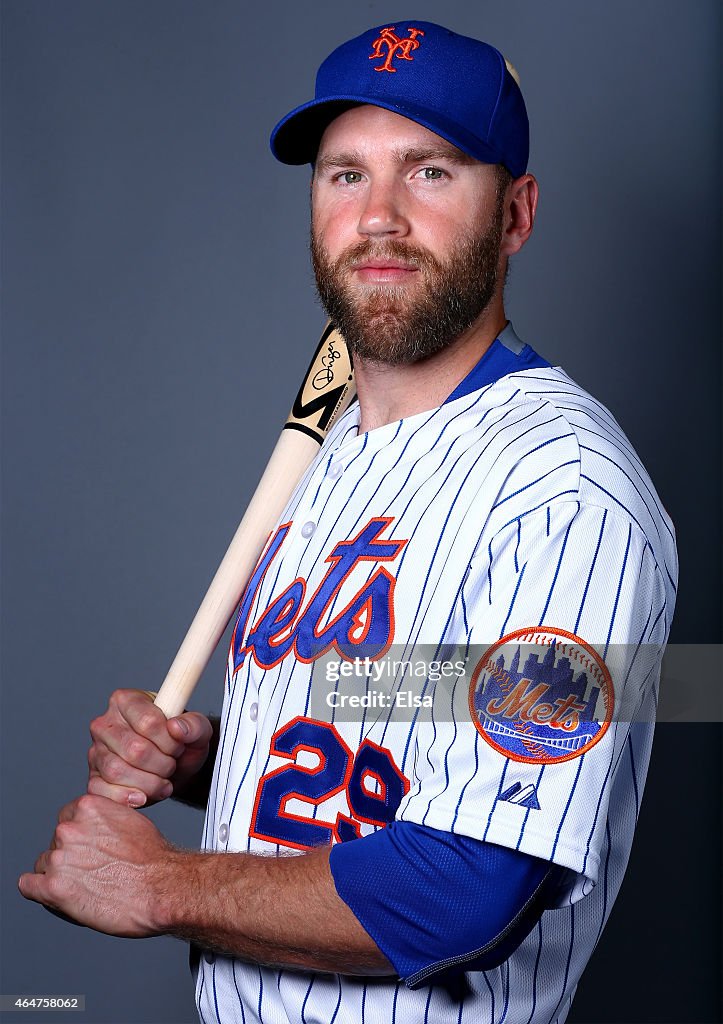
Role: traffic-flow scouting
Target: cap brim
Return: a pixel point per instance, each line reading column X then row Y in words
column 296, row 138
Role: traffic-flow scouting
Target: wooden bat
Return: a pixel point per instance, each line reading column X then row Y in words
column 326, row 391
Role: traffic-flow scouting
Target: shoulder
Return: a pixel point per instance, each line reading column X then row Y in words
column 557, row 445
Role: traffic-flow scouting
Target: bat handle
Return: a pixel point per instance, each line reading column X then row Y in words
column 293, row 454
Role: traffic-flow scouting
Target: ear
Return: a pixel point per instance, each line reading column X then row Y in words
column 520, row 208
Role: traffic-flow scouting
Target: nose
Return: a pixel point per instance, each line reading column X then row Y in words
column 383, row 213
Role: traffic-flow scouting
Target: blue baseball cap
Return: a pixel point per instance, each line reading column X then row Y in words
column 458, row 87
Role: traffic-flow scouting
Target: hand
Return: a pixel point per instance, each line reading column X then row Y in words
column 105, row 868
column 138, row 756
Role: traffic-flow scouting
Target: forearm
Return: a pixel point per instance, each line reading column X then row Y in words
column 279, row 911
column 195, row 791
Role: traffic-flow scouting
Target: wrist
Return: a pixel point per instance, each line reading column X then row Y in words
column 173, row 886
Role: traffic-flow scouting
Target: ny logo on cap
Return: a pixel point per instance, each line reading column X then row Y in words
column 396, row 47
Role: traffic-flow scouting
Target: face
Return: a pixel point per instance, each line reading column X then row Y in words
column 406, row 234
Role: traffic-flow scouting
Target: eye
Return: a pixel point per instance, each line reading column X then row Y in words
column 432, row 173
column 350, row 177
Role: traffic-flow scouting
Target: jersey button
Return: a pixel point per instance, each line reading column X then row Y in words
column 223, row 833
column 335, row 471
column 254, row 711
column 307, row 530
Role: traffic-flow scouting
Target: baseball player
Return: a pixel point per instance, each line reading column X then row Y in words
column 438, row 709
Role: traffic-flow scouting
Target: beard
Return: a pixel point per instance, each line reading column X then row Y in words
column 397, row 324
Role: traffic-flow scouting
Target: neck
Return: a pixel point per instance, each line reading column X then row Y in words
column 389, row 393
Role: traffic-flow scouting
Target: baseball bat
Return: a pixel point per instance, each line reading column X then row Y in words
column 325, row 393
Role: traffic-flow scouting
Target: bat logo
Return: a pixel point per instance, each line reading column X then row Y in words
column 396, row 47
column 326, row 386
column 325, row 376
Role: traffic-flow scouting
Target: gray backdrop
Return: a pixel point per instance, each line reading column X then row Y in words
column 158, row 312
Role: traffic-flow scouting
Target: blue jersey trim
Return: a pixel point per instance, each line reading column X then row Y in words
column 437, row 902
column 505, row 355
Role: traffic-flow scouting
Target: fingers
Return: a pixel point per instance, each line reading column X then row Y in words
column 158, row 789
column 136, row 751
column 192, row 729
column 132, row 714
column 147, row 720
column 32, row 887
column 41, row 864
column 137, row 762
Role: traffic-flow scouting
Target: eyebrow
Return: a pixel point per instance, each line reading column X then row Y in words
column 405, row 156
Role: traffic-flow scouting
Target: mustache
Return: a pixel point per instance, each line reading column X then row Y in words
column 409, row 255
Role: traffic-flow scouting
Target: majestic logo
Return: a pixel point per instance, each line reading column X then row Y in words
column 541, row 696
column 523, row 796
column 289, row 624
column 396, row 47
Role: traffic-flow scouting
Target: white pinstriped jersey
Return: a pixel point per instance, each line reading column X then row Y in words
column 517, row 512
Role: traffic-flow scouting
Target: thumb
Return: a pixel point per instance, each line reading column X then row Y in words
column 192, row 729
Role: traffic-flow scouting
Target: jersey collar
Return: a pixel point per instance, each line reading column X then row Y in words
column 506, row 354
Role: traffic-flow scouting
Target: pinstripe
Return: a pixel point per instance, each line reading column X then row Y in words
column 520, row 578
column 649, row 499
column 603, row 791
column 556, row 1012
column 617, row 595
column 240, row 1000
column 557, row 573
column 505, row 969
column 306, row 998
column 461, row 1010
column 589, row 575
column 580, row 764
column 261, row 995
column 603, row 916
column 534, row 973
column 492, row 997
column 542, row 504
column 489, row 573
column 469, row 780
column 446, row 755
column 199, row 999
column 612, row 434
column 338, row 1002
column 528, row 810
column 539, row 479
column 615, row 500
column 322, row 478
column 394, row 1003
column 632, row 775
column 655, row 520
column 517, row 545
column 499, row 790
column 657, row 619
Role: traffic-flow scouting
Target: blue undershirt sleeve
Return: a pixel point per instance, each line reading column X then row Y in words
column 437, row 903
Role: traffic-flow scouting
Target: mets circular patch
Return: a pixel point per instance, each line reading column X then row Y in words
column 541, row 695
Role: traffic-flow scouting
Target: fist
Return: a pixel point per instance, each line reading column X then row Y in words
column 107, row 867
column 138, row 756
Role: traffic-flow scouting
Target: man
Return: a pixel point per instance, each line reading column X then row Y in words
column 460, row 833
